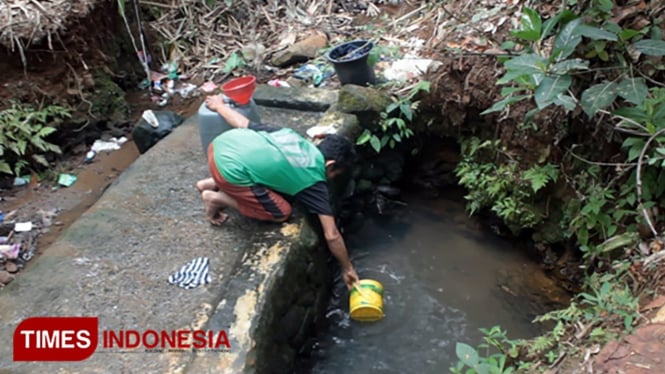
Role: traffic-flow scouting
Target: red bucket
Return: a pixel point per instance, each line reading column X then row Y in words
column 240, row 89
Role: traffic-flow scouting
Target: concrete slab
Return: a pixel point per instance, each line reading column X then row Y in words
column 113, row 263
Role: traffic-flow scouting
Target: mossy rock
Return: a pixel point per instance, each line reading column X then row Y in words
column 358, row 100
column 108, row 100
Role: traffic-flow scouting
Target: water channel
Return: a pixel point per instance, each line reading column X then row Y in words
column 444, row 278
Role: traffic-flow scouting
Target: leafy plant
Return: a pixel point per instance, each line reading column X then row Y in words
column 395, row 120
column 502, row 187
column 469, row 357
column 548, row 77
column 23, row 133
column 234, row 61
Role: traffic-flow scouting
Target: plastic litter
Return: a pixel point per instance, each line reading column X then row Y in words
column 278, row 83
column 209, row 87
column 409, row 68
column 21, row 181
column 312, row 73
column 90, row 156
column 145, row 134
column 2, row 217
column 10, row 251
column 187, row 90
column 4, row 239
column 66, row 179
column 112, row 144
column 27, row 255
column 321, row 131
column 23, row 226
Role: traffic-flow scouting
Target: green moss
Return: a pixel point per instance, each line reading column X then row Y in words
column 108, row 100
column 357, row 99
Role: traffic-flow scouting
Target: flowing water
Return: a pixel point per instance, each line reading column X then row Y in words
column 444, row 279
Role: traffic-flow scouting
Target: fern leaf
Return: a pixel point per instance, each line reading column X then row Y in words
column 5, row 168
column 40, row 159
column 46, row 131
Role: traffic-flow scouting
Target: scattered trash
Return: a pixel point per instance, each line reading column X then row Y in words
column 90, row 156
column 278, row 83
column 47, row 217
column 320, row 131
column 163, row 100
column 171, row 68
column 2, row 217
column 187, row 90
column 112, row 144
column 146, row 134
column 312, row 73
column 27, row 255
column 193, row 274
column 23, row 226
column 10, row 251
column 4, row 239
column 209, row 87
column 66, row 179
column 21, row 181
column 409, row 68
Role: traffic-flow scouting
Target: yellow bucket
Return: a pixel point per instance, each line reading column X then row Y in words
column 366, row 301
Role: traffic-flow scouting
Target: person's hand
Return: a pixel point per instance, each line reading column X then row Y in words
column 350, row 277
column 214, row 102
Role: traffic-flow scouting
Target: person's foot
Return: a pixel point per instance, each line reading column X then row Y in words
column 218, row 219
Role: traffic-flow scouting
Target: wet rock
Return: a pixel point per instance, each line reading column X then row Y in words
column 11, row 267
column 388, row 191
column 290, row 323
column 301, row 51
column 5, row 277
column 305, row 329
column 372, row 172
column 307, row 299
column 363, row 185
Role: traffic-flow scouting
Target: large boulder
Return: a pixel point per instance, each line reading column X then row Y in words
column 366, row 103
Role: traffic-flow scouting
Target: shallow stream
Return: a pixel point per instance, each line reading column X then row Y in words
column 444, row 278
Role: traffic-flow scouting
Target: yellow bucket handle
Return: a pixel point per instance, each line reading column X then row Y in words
column 356, row 285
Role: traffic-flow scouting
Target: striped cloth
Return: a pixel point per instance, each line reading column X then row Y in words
column 193, row 274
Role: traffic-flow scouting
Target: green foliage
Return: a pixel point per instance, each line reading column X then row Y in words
column 605, row 311
column 381, row 51
column 497, row 357
column 502, row 187
column 548, row 77
column 395, row 120
column 558, row 58
column 23, row 133
column 469, row 357
column 234, row 61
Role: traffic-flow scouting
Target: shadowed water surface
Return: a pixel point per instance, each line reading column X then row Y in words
column 443, row 281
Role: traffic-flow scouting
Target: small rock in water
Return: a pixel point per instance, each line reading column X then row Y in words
column 11, row 267
column 5, row 277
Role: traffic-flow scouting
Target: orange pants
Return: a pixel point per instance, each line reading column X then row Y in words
column 256, row 201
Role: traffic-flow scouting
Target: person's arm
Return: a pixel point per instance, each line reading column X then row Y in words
column 338, row 249
column 232, row 117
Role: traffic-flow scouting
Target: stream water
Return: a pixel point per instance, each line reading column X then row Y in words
column 444, row 278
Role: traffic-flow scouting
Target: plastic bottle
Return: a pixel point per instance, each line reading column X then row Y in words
column 212, row 124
